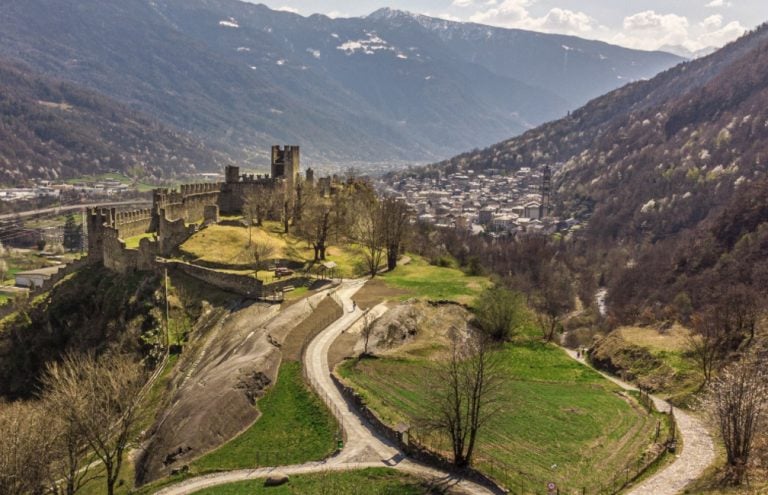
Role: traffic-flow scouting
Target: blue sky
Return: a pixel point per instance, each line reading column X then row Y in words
column 644, row 24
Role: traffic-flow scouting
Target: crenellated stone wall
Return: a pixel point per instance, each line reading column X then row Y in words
column 173, row 233
column 132, row 223
column 176, row 213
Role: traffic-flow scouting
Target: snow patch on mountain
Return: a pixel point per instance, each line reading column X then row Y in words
column 229, row 23
column 367, row 46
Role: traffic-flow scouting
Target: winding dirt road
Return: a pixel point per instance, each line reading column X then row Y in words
column 697, row 454
column 363, row 448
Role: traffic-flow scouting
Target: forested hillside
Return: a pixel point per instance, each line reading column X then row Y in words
column 390, row 87
column 51, row 129
column 670, row 176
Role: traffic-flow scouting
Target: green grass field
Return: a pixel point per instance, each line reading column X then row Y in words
column 133, row 242
column 564, row 423
column 372, row 481
column 420, row 279
column 226, row 245
column 295, row 427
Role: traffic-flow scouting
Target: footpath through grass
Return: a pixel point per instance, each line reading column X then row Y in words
column 564, row 422
column 371, row 481
column 295, row 427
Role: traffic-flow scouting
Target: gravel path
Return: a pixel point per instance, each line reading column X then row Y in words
column 697, row 454
column 363, row 448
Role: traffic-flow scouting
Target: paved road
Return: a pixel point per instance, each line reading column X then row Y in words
column 363, row 448
column 697, row 454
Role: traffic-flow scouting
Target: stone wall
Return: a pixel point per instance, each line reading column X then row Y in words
column 173, row 233
column 122, row 260
column 132, row 223
column 187, row 203
column 242, row 285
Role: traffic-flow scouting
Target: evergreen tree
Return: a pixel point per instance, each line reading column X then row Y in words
column 73, row 234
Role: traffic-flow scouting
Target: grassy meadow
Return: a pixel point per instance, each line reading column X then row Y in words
column 227, row 245
column 560, row 414
column 377, row 481
column 423, row 280
column 294, row 427
column 563, row 423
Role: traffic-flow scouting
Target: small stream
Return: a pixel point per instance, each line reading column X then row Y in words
column 600, row 296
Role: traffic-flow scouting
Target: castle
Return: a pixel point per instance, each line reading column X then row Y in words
column 176, row 214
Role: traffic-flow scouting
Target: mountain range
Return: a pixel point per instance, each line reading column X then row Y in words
column 51, row 129
column 389, row 87
column 669, row 175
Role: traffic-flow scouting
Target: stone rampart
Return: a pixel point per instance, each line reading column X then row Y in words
column 243, row 285
column 117, row 257
column 173, row 233
column 132, row 223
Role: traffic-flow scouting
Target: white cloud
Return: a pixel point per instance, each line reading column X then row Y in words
column 561, row 20
column 286, row 8
column 723, row 35
column 650, row 20
column 507, row 14
column 648, row 31
column 712, row 22
column 515, row 14
column 462, row 3
column 719, row 3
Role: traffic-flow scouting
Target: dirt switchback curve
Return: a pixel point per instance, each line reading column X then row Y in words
column 362, row 448
column 697, row 455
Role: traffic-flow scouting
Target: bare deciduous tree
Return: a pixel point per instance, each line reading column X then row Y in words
column 738, row 400
column 25, row 453
column 465, row 393
column 396, row 219
column 369, row 232
column 369, row 322
column 707, row 342
column 98, row 400
column 259, row 204
column 72, row 462
column 553, row 298
column 316, row 222
column 262, row 251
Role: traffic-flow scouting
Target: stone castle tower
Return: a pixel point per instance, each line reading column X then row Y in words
column 286, row 164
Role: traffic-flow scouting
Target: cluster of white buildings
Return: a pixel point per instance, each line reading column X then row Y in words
column 46, row 189
column 490, row 202
column 28, row 193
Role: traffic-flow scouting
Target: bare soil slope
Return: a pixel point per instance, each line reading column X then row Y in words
column 216, row 385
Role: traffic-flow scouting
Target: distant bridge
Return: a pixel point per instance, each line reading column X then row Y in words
column 56, row 210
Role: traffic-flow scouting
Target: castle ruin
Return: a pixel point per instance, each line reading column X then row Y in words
column 176, row 214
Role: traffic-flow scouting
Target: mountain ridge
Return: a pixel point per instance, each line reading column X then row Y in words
column 243, row 76
column 52, row 129
column 657, row 170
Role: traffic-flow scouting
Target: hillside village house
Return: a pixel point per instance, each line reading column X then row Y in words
column 35, row 278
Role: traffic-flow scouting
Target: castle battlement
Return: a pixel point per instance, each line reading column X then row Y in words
column 128, row 217
column 175, row 213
